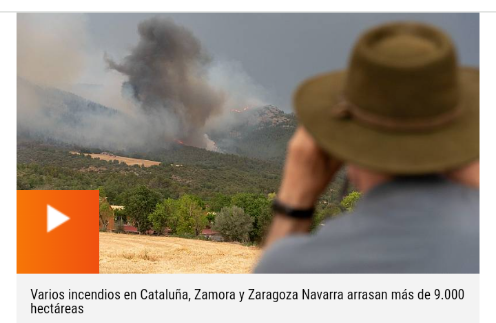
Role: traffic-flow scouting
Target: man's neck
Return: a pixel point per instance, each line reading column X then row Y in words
column 467, row 175
column 364, row 180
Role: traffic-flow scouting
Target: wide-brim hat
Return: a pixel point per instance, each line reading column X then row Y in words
column 403, row 106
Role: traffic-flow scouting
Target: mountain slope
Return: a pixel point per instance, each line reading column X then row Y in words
column 56, row 115
column 262, row 133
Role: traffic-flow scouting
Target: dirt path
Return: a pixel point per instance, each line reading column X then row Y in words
column 129, row 161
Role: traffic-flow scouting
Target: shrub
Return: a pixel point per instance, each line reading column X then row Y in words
column 233, row 224
column 348, row 203
column 163, row 215
column 323, row 212
column 258, row 207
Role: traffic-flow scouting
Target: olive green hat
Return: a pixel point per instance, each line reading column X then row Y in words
column 403, row 106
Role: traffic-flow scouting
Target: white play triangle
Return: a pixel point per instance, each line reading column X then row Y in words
column 55, row 218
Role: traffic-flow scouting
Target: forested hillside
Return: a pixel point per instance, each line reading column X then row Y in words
column 183, row 170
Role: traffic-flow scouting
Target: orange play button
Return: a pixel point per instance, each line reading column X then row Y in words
column 57, row 232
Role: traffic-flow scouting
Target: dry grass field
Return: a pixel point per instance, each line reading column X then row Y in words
column 125, row 253
column 127, row 160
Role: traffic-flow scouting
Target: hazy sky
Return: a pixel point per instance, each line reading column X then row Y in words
column 277, row 51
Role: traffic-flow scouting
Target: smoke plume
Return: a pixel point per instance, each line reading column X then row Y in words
column 168, row 75
column 51, row 48
column 168, row 89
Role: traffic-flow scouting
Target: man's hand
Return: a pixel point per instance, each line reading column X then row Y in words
column 307, row 172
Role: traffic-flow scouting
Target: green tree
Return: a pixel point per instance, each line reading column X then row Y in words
column 211, row 217
column 349, row 201
column 258, row 207
column 219, row 201
column 191, row 219
column 105, row 211
column 101, row 191
column 163, row 216
column 139, row 204
column 233, row 224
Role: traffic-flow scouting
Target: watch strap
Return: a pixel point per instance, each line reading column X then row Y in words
column 281, row 208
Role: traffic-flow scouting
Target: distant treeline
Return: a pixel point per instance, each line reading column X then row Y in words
column 203, row 173
column 243, row 217
column 213, row 181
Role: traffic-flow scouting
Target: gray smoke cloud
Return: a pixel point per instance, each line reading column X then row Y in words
column 51, row 48
column 168, row 74
column 168, row 89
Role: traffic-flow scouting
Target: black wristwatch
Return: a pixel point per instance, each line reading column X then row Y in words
column 281, row 208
